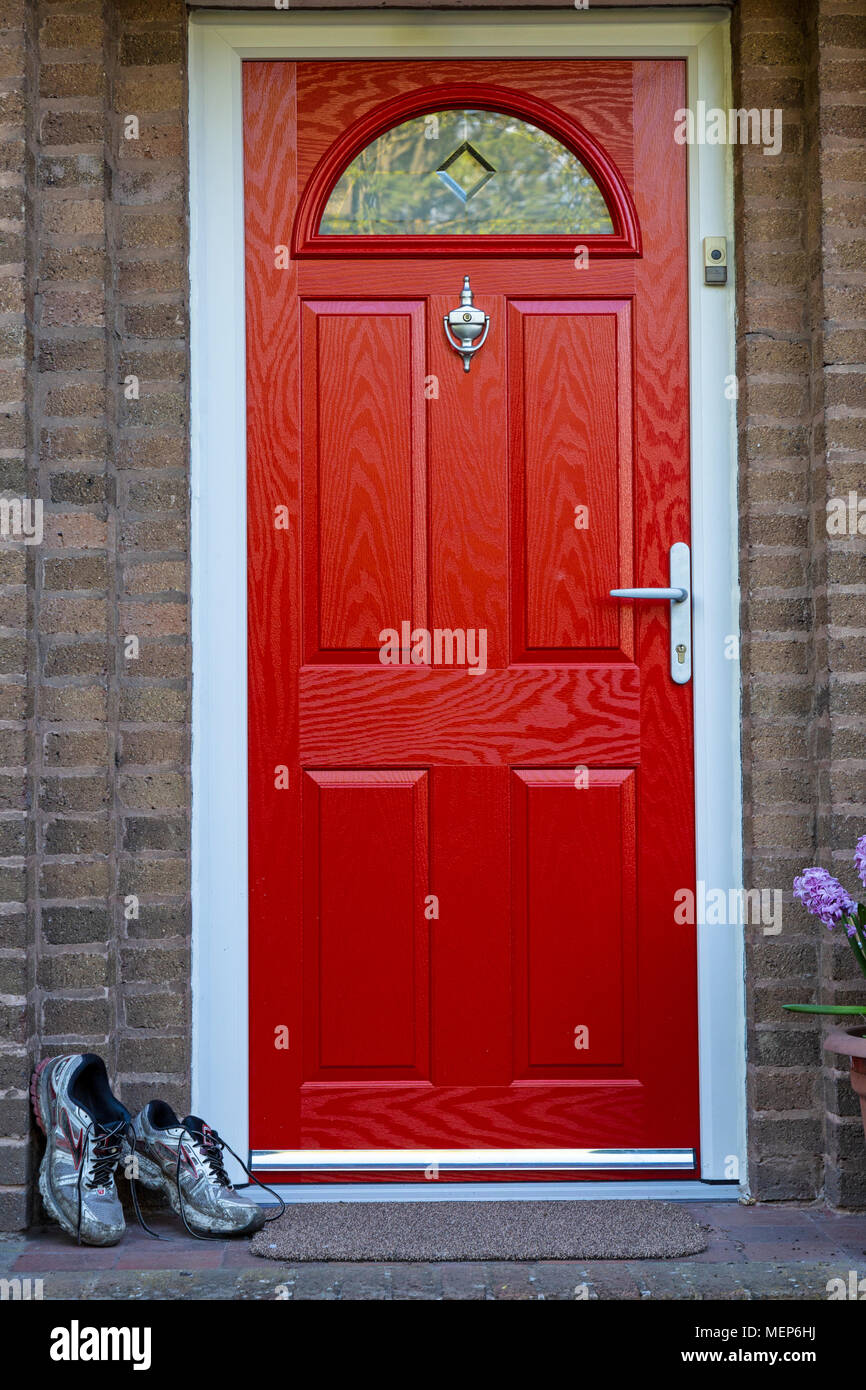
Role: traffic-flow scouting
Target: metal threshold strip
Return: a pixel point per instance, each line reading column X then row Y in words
column 481, row 1160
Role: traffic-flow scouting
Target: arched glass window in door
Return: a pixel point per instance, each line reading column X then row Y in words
column 458, row 172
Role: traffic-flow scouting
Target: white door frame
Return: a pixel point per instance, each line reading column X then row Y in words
column 218, row 44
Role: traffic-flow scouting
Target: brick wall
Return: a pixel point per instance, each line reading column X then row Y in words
column 103, row 816
column 17, row 643
column 94, row 744
column 837, row 266
column 801, row 351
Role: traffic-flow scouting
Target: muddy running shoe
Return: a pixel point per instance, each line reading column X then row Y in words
column 183, row 1159
column 85, row 1127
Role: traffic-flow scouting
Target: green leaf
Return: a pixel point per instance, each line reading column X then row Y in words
column 826, row 1009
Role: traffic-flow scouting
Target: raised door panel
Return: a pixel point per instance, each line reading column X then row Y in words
column 365, row 938
column 571, row 476
column 575, row 922
column 364, row 475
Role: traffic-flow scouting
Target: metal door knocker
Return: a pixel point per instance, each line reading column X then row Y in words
column 463, row 325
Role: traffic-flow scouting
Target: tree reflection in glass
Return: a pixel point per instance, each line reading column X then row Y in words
column 462, row 172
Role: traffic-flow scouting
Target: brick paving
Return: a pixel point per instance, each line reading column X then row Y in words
column 761, row 1252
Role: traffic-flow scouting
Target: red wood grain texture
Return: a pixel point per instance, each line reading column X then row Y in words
column 666, row 822
column 450, row 718
column 510, row 276
column 415, row 492
column 484, row 93
column 274, row 589
column 332, row 96
column 521, row 1115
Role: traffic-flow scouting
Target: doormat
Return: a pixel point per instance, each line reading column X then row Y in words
column 556, row 1230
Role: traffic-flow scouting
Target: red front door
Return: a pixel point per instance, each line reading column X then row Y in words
column 470, row 772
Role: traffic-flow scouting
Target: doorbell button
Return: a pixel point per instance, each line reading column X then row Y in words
column 715, row 260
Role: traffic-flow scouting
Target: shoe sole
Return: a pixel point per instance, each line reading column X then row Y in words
column 152, row 1176
column 40, row 1101
column 41, row 1107
column 34, row 1095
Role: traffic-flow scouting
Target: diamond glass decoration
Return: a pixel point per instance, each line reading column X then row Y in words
column 465, row 171
column 393, row 188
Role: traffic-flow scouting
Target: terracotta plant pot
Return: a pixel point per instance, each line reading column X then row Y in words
column 851, row 1042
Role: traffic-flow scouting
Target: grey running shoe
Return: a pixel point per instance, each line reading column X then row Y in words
column 183, row 1159
column 85, row 1126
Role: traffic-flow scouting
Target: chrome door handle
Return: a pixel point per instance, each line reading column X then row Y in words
column 675, row 595
column 679, row 596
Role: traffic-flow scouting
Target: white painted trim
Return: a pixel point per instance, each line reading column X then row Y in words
column 219, row 717
column 716, row 603
column 218, row 44
column 662, row 1190
column 465, row 1160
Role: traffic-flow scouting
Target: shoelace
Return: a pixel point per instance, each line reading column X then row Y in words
column 212, row 1153
column 130, row 1136
column 212, row 1145
column 107, row 1152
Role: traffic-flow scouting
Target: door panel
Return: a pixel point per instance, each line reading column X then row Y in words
column 575, row 958
column 572, row 403
column 365, row 950
column 462, row 881
column 364, row 473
